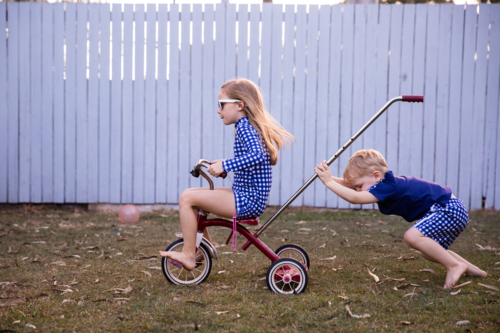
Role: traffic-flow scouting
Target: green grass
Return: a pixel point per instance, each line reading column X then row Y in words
column 80, row 295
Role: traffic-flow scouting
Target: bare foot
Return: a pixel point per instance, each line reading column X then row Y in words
column 188, row 263
column 454, row 274
column 475, row 272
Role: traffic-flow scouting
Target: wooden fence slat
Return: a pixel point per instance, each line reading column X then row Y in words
column 299, row 102
column 311, row 102
column 150, row 107
column 209, row 115
column 479, row 110
column 173, row 107
column 286, row 190
column 4, row 115
column 196, row 128
column 453, row 151
column 161, row 100
column 381, row 77
column 13, row 103
column 467, row 105
column 58, row 63
column 24, row 103
column 358, row 78
column 370, row 81
column 334, row 99
column 454, row 97
column 104, row 109
column 405, row 115
column 265, row 52
column 116, row 105
column 35, row 97
column 443, row 88
column 229, row 73
column 69, row 106
column 275, row 94
column 93, row 105
column 429, row 112
column 322, row 128
column 139, row 154
column 219, row 79
column 393, row 113
column 417, row 88
column 253, row 61
column 185, row 97
column 127, row 107
column 242, row 55
column 81, row 105
column 346, row 107
column 491, row 155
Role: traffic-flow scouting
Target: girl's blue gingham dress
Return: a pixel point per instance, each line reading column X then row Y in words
column 252, row 167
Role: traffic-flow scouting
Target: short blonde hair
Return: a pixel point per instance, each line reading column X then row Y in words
column 363, row 163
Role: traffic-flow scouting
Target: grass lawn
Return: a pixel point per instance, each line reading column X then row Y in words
column 73, row 270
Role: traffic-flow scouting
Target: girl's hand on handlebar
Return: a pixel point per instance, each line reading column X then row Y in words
column 323, row 172
column 216, row 168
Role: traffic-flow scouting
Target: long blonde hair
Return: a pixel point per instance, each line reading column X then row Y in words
column 271, row 133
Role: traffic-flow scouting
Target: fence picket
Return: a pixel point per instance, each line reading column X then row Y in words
column 104, row 109
column 127, row 106
column 139, row 154
column 453, row 151
column 286, row 190
column 196, row 128
column 322, row 130
column 209, row 115
column 24, row 103
column 334, row 99
column 254, row 47
column 81, row 116
column 173, row 107
column 479, row 110
column 150, row 107
column 299, row 103
column 491, row 155
column 4, row 116
column 161, row 100
column 93, row 104
column 35, row 97
column 429, row 111
column 443, row 89
column 242, row 54
column 58, row 63
column 275, row 94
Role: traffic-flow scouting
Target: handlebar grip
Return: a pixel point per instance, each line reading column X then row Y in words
column 413, row 98
column 223, row 175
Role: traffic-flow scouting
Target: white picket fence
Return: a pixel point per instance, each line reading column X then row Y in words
column 115, row 104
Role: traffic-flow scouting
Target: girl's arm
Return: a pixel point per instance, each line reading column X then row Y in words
column 346, row 193
column 255, row 154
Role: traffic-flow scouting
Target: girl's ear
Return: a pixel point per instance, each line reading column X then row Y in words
column 241, row 105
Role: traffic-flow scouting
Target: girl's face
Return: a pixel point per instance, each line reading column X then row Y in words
column 230, row 113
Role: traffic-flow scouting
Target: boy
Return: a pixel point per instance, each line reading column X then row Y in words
column 441, row 217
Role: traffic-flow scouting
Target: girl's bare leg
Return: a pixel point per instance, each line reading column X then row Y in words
column 432, row 251
column 220, row 201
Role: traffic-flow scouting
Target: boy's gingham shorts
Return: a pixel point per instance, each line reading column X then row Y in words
column 444, row 224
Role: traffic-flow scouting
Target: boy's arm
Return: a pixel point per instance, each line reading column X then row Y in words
column 341, row 181
column 346, row 193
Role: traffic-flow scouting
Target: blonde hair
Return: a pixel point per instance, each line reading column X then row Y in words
column 363, row 163
column 271, row 133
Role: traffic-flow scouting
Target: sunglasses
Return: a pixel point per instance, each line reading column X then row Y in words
column 223, row 101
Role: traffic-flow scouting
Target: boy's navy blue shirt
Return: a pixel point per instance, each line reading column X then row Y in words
column 409, row 197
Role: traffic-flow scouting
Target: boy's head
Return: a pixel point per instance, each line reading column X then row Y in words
column 365, row 168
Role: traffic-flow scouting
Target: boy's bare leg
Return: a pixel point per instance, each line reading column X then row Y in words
column 220, row 202
column 472, row 270
column 435, row 252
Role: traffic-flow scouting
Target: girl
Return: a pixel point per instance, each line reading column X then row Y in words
column 258, row 137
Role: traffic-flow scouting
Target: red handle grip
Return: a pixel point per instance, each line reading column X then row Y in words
column 223, row 175
column 413, row 98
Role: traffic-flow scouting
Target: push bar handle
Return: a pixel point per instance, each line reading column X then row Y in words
column 412, row 98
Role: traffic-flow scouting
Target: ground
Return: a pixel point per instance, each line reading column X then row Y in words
column 73, row 270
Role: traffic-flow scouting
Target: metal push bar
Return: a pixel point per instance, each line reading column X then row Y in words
column 417, row 99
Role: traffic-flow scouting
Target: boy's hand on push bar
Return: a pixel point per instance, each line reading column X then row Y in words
column 323, row 172
column 216, row 168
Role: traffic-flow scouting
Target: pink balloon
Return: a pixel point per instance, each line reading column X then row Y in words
column 128, row 214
